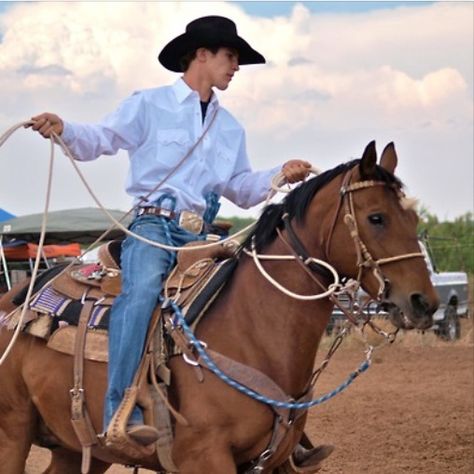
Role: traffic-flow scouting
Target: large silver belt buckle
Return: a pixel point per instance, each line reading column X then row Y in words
column 191, row 222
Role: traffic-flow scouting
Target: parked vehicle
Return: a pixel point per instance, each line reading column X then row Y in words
column 452, row 288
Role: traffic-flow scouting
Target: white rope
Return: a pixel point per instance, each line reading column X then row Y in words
column 55, row 138
column 39, row 251
column 331, row 288
column 4, row 264
column 279, row 180
column 276, row 186
column 10, row 131
column 118, row 224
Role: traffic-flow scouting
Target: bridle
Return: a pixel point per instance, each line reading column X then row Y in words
column 365, row 260
column 313, row 266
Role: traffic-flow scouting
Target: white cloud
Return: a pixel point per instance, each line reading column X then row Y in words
column 333, row 83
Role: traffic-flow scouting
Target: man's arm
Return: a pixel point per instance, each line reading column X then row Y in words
column 247, row 188
column 122, row 129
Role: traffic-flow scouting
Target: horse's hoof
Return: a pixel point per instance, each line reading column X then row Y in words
column 143, row 434
column 311, row 458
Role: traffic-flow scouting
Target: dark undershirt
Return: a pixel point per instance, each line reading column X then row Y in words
column 204, row 109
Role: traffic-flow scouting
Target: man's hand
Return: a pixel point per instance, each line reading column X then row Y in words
column 296, row 170
column 46, row 124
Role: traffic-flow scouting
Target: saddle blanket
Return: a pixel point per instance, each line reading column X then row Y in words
column 53, row 315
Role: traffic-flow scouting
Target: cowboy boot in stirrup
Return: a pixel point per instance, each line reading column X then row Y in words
column 309, row 460
column 143, row 434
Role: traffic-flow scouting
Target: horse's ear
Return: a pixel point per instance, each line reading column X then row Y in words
column 368, row 161
column 389, row 158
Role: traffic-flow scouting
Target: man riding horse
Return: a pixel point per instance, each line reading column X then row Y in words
column 186, row 151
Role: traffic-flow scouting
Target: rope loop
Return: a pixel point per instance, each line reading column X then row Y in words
column 331, row 289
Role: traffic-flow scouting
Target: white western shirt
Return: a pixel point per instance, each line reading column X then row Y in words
column 157, row 127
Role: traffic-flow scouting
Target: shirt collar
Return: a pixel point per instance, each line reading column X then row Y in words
column 183, row 91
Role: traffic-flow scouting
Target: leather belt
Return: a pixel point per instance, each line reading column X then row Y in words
column 187, row 220
column 157, row 211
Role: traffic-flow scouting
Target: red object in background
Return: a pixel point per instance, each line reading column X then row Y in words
column 27, row 251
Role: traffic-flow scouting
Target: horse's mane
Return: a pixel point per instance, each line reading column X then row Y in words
column 297, row 201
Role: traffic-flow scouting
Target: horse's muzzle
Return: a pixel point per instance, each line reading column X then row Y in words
column 416, row 313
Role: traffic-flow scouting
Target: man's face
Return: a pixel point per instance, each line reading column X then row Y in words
column 221, row 67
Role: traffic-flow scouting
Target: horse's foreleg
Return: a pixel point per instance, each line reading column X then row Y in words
column 64, row 461
column 16, row 435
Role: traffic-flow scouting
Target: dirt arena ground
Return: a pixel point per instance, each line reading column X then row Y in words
column 411, row 412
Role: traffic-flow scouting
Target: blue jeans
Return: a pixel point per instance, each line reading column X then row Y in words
column 144, row 268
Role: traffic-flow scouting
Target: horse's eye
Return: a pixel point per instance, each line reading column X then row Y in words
column 376, row 219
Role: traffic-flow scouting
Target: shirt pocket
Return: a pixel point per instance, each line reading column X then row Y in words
column 224, row 161
column 172, row 146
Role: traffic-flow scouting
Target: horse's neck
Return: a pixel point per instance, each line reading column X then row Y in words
column 258, row 325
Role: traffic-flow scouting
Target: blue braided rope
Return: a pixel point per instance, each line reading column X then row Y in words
column 211, row 365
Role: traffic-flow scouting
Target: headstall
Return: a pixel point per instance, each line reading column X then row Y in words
column 365, row 259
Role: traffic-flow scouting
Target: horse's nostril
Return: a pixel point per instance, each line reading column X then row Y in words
column 419, row 303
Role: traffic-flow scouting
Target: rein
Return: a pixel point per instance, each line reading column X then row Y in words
column 180, row 322
column 299, row 250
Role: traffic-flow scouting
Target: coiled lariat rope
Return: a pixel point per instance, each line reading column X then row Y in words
column 276, row 186
column 277, row 183
column 39, row 250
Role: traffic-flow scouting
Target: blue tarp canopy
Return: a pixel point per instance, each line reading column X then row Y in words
column 4, row 215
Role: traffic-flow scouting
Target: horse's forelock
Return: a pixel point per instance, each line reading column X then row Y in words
column 409, row 203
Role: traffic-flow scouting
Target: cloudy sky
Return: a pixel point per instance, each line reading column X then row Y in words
column 338, row 75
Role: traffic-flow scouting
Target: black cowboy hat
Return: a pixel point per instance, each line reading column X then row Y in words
column 207, row 31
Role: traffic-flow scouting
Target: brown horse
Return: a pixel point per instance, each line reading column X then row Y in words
column 251, row 322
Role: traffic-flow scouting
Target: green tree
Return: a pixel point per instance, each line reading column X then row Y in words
column 451, row 242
